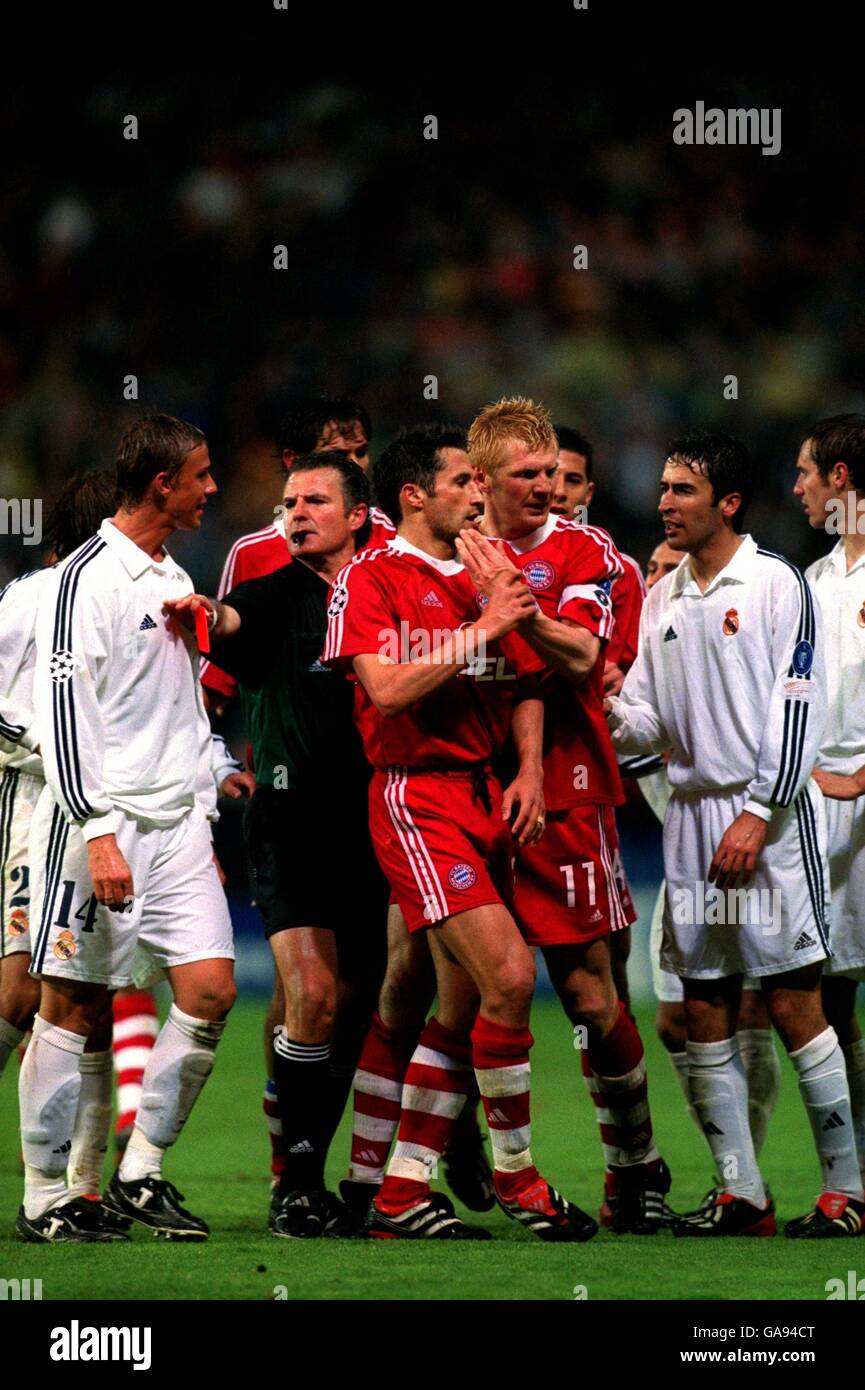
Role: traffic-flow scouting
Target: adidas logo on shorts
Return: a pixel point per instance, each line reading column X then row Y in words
column 804, row 941
column 671, row 634
column 147, row 624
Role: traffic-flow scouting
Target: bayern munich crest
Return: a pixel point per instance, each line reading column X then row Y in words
column 540, row 574
column 462, row 877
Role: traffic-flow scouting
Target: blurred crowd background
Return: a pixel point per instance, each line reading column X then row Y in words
column 409, row 258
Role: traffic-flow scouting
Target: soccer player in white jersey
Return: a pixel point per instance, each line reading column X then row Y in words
column 83, row 503
column 730, row 678
column 754, row 1031
column 120, row 842
column 830, row 484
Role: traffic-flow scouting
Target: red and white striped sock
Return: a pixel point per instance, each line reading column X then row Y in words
column 438, row 1078
column 503, row 1071
column 270, row 1106
column 615, row 1073
column 378, row 1084
column 135, row 1030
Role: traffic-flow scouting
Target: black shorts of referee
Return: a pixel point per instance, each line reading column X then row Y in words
column 311, row 863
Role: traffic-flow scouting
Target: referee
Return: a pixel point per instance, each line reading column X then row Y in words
column 315, row 878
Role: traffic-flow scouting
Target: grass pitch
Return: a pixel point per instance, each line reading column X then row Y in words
column 221, row 1164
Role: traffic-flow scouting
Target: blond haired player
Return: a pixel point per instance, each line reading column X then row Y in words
column 568, row 899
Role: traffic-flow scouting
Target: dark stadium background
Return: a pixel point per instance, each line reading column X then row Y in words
column 409, row 258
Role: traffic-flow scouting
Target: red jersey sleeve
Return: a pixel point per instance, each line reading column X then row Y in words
column 628, row 596
column 594, row 564
column 360, row 615
column 215, row 680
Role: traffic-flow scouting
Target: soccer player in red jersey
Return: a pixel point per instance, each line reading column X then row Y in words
column 311, row 425
column 573, row 492
column 567, row 898
column 438, row 688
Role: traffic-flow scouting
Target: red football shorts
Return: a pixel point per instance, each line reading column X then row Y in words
column 570, row 888
column 442, row 850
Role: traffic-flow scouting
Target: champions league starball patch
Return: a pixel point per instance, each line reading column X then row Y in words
column 540, row 574
column 62, row 667
column 803, row 658
column 462, row 877
column 338, row 600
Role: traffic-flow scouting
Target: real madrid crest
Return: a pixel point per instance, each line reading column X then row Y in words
column 860, row 616
column 64, row 946
column 731, row 622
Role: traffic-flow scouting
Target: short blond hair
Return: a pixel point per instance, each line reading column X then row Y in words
column 513, row 418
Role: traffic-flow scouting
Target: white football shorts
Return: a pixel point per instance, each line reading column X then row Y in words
column 845, row 826
column 777, row 922
column 179, row 913
column 19, row 793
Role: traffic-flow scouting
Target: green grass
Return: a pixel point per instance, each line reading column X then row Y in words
column 221, row 1164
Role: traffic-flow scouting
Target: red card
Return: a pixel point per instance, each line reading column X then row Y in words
column 202, row 633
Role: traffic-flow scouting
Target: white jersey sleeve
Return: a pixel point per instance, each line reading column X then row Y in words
column 634, row 721
column 796, row 718
column 17, row 622
column 74, row 643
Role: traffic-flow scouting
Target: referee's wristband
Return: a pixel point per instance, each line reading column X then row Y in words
column 212, row 618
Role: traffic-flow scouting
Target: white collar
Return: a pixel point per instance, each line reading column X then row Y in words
column 134, row 560
column 445, row 567
column 837, row 560
column 738, row 570
column 535, row 538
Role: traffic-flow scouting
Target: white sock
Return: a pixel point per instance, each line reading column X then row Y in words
column 48, row 1088
column 823, row 1087
column 10, row 1038
column 763, row 1071
column 180, row 1063
column 92, row 1123
column 719, row 1093
column 680, row 1067
column 854, row 1057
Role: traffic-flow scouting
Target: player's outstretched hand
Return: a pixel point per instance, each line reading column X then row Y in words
column 183, row 610
column 238, row 784
column 109, row 873
column 614, row 679
column 525, row 796
column 738, row 850
column 838, row 787
column 486, row 562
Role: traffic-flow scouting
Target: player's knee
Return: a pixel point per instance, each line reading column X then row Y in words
column 670, row 1027
column 18, row 1003
column 512, row 987
column 213, row 999
column 797, row 1015
column 313, row 1001
column 407, row 990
